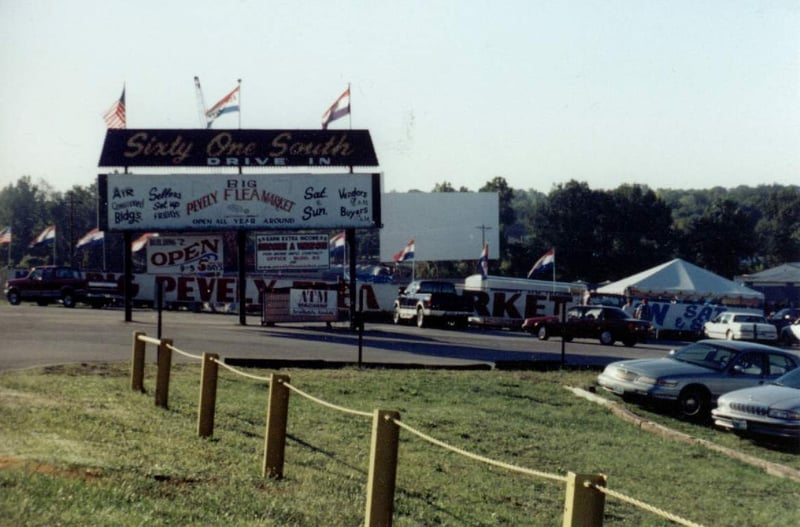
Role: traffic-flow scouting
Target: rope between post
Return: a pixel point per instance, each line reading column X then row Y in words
column 239, row 372
column 643, row 505
column 326, row 403
column 476, row 457
column 149, row 340
column 185, row 354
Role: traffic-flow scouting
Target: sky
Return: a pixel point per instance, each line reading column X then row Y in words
column 669, row 94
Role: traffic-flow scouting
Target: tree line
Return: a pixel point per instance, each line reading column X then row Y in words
column 597, row 234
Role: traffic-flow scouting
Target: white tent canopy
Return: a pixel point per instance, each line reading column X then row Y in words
column 678, row 279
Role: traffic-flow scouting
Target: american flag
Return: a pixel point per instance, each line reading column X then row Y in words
column 115, row 116
column 5, row 235
column 338, row 109
column 483, row 262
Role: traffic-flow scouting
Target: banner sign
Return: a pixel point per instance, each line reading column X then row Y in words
column 201, row 255
column 292, row 251
column 237, row 148
column 140, row 202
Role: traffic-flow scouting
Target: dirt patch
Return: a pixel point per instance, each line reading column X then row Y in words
column 84, row 473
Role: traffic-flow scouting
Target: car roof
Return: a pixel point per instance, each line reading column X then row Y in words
column 739, row 345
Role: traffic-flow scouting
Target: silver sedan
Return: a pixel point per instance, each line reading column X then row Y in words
column 769, row 411
column 692, row 378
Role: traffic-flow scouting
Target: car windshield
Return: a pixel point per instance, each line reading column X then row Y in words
column 790, row 380
column 705, row 355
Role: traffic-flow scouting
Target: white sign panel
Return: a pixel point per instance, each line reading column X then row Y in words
column 312, row 302
column 185, row 255
column 292, row 251
column 240, row 201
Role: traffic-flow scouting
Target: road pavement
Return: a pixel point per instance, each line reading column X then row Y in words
column 32, row 335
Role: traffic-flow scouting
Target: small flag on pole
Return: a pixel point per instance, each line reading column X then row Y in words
column 337, row 243
column 338, row 109
column 5, row 235
column 228, row 104
column 115, row 116
column 139, row 243
column 483, row 262
column 546, row 262
column 91, row 238
column 48, row 235
column 406, row 253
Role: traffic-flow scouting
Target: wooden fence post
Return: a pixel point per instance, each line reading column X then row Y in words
column 208, row 395
column 137, row 362
column 162, row 376
column 583, row 505
column 275, row 438
column 382, row 469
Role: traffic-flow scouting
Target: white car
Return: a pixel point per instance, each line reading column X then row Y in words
column 768, row 411
column 731, row 325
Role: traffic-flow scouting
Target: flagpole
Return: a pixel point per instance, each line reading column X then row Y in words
column 240, row 103
column 350, row 113
column 554, row 269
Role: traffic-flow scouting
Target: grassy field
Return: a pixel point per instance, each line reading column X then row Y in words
column 77, row 447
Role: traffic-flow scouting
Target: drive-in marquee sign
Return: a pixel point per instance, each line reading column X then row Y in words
column 237, row 148
column 206, row 202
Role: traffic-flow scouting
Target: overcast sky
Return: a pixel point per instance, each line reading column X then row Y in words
column 671, row 94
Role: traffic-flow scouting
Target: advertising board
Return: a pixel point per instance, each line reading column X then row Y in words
column 185, row 255
column 292, row 251
column 203, row 202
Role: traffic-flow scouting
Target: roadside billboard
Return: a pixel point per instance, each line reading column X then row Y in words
column 204, row 202
column 292, row 252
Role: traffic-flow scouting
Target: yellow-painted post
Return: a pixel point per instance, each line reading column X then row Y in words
column 164, row 362
column 208, row 395
column 275, row 438
column 583, row 505
column 382, row 469
column 137, row 362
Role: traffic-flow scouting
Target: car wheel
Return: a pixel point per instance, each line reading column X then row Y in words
column 13, row 298
column 694, row 403
column 606, row 338
column 543, row 334
column 68, row 299
column 420, row 318
column 396, row 316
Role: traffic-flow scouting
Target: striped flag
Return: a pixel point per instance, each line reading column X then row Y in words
column 5, row 235
column 337, row 243
column 406, row 253
column 93, row 237
column 338, row 109
column 546, row 262
column 228, row 104
column 483, row 262
column 139, row 243
column 115, row 116
column 48, row 235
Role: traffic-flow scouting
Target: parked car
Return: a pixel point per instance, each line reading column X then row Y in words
column 790, row 335
column 769, row 411
column 428, row 301
column 691, row 379
column 784, row 317
column 731, row 325
column 606, row 323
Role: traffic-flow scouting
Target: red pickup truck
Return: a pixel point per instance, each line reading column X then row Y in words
column 53, row 283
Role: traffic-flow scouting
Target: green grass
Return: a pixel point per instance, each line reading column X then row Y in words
column 77, row 447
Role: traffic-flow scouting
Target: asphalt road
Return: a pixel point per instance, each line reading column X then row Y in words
column 32, row 335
